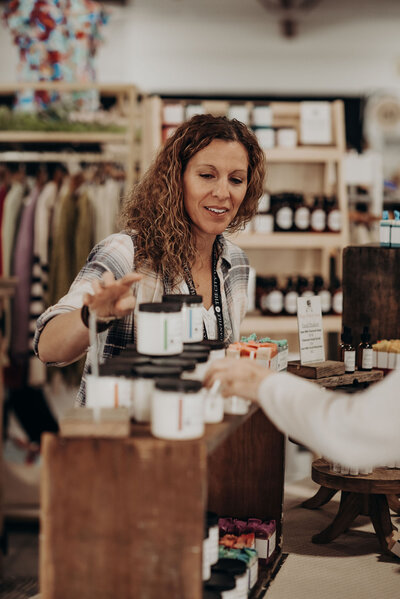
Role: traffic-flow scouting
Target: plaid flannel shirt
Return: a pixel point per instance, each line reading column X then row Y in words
column 116, row 254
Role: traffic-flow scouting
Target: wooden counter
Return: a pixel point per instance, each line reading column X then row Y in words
column 124, row 517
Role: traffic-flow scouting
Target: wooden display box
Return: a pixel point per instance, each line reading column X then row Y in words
column 125, row 517
column 371, row 291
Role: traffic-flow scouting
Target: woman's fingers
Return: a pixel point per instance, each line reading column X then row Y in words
column 238, row 377
column 112, row 297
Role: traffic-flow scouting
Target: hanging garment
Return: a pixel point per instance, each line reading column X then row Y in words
column 3, row 194
column 11, row 213
column 105, row 199
column 22, row 269
column 72, row 245
column 37, row 373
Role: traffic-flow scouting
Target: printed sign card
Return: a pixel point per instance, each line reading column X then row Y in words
column 311, row 336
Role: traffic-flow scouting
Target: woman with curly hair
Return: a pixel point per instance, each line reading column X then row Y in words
column 207, row 179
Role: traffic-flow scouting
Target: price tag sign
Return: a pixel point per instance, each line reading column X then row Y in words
column 311, row 336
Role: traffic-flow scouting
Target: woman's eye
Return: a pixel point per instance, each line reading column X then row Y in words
column 236, row 181
column 206, row 175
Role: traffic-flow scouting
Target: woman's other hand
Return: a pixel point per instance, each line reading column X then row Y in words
column 111, row 297
column 238, row 377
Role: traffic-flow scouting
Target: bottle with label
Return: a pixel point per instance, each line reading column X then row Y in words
column 283, row 212
column 323, row 293
column 263, row 287
column 348, row 351
column 290, row 298
column 301, row 214
column 337, row 296
column 275, row 299
column 318, row 216
column 333, row 215
column 365, row 351
column 304, row 288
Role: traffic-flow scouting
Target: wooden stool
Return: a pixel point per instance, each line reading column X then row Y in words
column 364, row 494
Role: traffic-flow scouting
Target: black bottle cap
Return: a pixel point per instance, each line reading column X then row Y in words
column 346, row 336
column 365, row 335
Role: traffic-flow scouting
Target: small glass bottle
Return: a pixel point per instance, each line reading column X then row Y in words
column 304, row 288
column 323, row 293
column 318, row 216
column 301, row 214
column 333, row 215
column 283, row 212
column 275, row 299
column 348, row 351
column 290, row 298
column 337, row 297
column 365, row 351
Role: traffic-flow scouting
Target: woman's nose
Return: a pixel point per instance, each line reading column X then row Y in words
column 221, row 188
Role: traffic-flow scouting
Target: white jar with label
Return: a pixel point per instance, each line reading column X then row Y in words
column 238, row 570
column 266, row 137
column 143, row 387
column 177, row 409
column 159, row 329
column 192, row 315
column 213, row 531
column 217, row 349
column 263, row 223
column 236, row 405
column 201, row 359
column 286, row 137
column 109, row 391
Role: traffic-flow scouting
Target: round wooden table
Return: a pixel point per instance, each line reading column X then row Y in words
column 364, row 494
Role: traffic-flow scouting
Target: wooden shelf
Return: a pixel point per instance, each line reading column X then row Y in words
column 62, row 137
column 318, row 154
column 269, row 325
column 288, row 240
column 62, row 157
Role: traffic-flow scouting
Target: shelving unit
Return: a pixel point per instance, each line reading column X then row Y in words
column 128, row 148
column 125, row 517
column 309, row 169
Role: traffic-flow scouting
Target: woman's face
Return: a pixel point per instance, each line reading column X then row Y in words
column 214, row 186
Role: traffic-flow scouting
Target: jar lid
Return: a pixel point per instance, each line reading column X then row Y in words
column 209, row 594
column 115, row 369
column 230, row 566
column 214, row 344
column 182, row 385
column 152, row 371
column 128, row 358
column 212, row 518
column 197, row 356
column 186, row 365
column 196, row 347
column 182, row 298
column 160, row 307
column 220, row 581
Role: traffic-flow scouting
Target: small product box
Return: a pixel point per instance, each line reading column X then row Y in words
column 385, row 230
column 315, row 123
column 395, row 231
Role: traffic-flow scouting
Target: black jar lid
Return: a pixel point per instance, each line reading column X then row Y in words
column 112, row 368
column 220, row 581
column 186, row 365
column 128, row 358
column 180, row 385
column 152, row 371
column 209, row 594
column 196, row 347
column 231, row 566
column 160, row 307
column 214, row 344
column 197, row 356
column 212, row 518
column 182, row 298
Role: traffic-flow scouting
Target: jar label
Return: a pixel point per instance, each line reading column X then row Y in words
column 350, row 361
column 192, row 324
column 290, row 302
column 275, row 302
column 326, row 301
column 367, row 355
column 335, row 221
column 302, row 218
column 284, row 218
column 318, row 220
column 337, row 302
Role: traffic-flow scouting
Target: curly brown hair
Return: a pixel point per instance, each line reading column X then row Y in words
column 154, row 209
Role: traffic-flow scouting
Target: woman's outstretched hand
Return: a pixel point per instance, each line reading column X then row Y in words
column 238, row 377
column 111, row 297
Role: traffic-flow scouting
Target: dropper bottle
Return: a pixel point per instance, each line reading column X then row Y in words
column 348, row 351
column 365, row 351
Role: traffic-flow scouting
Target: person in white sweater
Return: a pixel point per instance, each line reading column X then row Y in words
column 358, row 430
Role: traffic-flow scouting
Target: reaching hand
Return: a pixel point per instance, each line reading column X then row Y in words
column 112, row 297
column 238, row 377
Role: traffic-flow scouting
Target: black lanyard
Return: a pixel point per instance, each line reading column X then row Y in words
column 216, row 293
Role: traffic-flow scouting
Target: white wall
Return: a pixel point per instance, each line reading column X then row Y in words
column 235, row 47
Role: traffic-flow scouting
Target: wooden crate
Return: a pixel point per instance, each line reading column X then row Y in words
column 371, row 291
